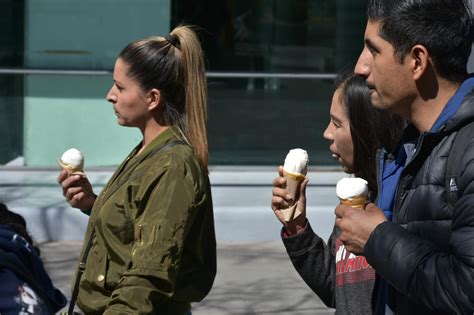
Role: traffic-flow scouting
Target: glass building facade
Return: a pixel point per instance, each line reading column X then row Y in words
column 271, row 65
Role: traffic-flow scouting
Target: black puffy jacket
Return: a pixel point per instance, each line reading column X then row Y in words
column 426, row 254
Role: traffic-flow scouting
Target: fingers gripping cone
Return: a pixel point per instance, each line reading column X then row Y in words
column 72, row 161
column 294, row 171
column 353, row 192
column 293, row 182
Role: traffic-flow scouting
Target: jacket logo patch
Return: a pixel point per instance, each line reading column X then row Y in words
column 452, row 185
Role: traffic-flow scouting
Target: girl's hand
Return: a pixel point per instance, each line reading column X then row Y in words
column 281, row 199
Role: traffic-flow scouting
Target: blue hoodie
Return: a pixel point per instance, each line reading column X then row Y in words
column 32, row 293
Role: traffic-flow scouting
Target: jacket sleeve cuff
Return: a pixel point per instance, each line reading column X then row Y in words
column 301, row 242
column 379, row 246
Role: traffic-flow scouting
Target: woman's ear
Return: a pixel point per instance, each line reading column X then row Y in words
column 419, row 61
column 154, row 99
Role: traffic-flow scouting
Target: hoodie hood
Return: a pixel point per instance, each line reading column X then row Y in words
column 459, row 111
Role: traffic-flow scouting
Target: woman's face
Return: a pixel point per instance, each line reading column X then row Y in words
column 129, row 101
column 338, row 133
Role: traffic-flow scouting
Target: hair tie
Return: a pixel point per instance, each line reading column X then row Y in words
column 173, row 40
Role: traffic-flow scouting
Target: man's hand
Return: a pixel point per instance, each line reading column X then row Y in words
column 356, row 225
column 281, row 199
column 77, row 190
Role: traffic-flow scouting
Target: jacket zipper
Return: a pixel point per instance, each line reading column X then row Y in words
column 380, row 158
column 401, row 182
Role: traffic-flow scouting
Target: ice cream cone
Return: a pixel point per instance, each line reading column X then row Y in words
column 355, row 202
column 293, row 182
column 72, row 161
column 353, row 192
column 70, row 169
column 294, row 170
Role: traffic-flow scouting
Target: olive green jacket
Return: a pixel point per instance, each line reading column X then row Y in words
column 153, row 248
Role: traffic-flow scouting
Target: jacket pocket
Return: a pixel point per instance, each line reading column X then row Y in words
column 96, row 269
column 156, row 247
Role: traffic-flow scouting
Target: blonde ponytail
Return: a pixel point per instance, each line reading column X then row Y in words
column 195, row 87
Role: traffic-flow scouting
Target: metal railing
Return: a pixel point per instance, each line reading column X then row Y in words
column 228, row 75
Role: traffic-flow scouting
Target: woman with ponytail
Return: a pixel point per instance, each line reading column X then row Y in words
column 150, row 244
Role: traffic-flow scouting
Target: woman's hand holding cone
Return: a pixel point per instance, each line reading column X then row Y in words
column 77, row 190
column 281, row 199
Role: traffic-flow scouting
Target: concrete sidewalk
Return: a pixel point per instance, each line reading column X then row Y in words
column 252, row 278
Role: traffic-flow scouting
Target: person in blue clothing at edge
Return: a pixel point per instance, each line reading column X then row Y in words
column 415, row 65
column 25, row 287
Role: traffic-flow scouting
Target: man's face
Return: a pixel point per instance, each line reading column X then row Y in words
column 390, row 82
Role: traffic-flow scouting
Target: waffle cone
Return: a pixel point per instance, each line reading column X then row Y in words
column 293, row 182
column 297, row 177
column 355, row 202
column 71, row 170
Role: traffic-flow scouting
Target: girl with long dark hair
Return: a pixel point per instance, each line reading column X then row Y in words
column 355, row 131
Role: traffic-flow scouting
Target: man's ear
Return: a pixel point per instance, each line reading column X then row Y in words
column 419, row 61
column 154, row 99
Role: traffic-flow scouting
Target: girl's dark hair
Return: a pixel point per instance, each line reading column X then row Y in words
column 17, row 222
column 175, row 66
column 371, row 128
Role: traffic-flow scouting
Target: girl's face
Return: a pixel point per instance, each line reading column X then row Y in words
column 338, row 133
column 129, row 101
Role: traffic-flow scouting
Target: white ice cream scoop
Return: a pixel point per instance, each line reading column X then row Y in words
column 72, row 160
column 353, row 191
column 296, row 162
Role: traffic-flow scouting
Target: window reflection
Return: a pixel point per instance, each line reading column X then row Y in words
column 252, row 120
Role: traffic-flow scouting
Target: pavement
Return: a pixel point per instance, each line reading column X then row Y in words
column 252, row 278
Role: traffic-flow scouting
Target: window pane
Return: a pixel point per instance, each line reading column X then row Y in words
column 11, row 87
column 252, row 121
column 88, row 34
column 276, row 35
column 258, row 125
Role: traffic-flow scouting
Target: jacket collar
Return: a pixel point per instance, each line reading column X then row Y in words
column 459, row 111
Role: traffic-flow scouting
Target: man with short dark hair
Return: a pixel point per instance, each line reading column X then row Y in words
column 415, row 63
